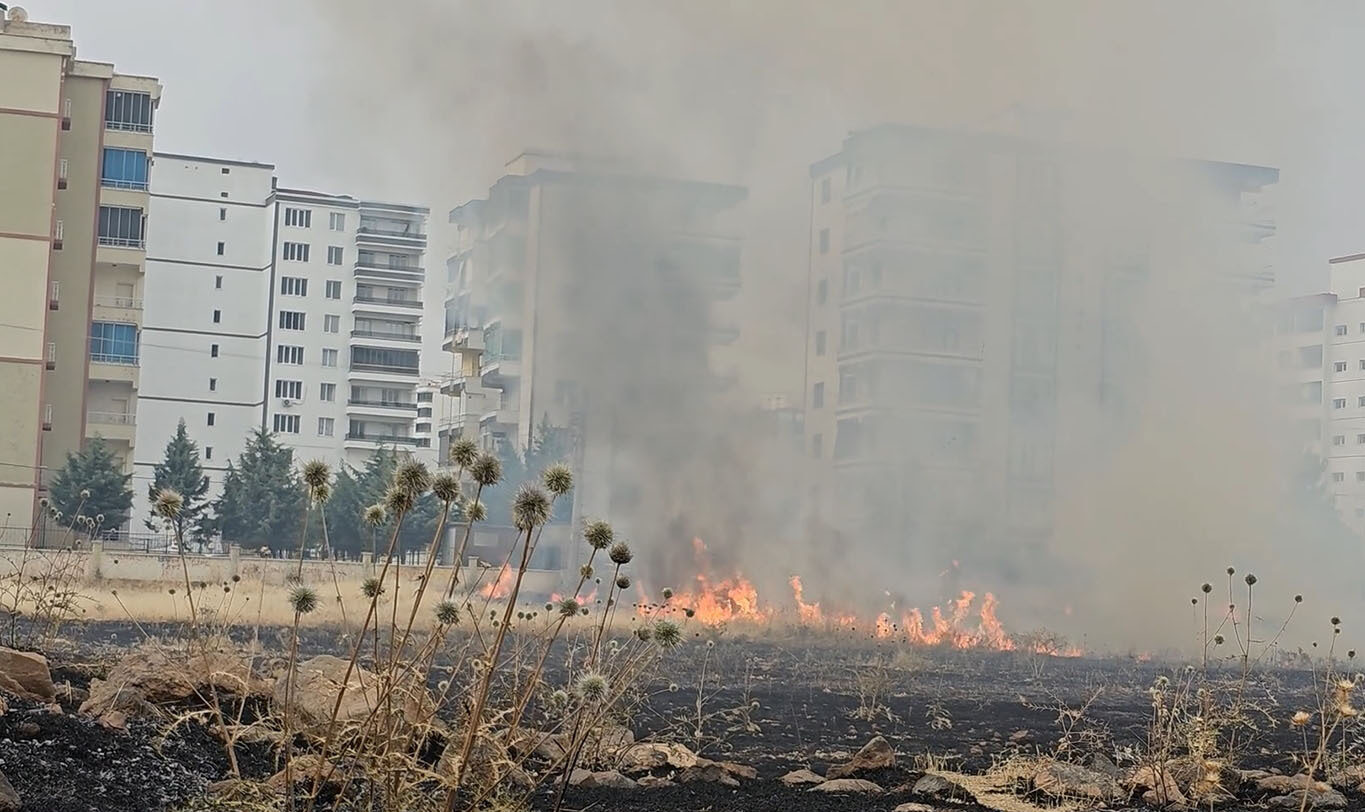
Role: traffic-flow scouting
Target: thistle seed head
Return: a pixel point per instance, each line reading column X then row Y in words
column 447, row 613
column 585, row 571
column 1232, row 571
column 412, row 477
column 598, row 535
column 623, row 582
column 1206, row 588
column 620, row 553
column 303, row 599
column 486, row 470
column 1218, row 639
column 320, row 494
column 316, row 473
column 398, row 500
column 372, row 587
column 568, row 607
column 1298, row 599
column 1300, row 718
column 99, row 517
column 476, row 511
column 592, row 687
column 530, row 507
column 667, row 634
column 1250, row 579
column 1336, row 621
column 445, row 487
column 463, row 452
column 375, row 515
column 644, row 633
column 690, row 613
column 667, row 593
column 558, row 479
column 43, row 502
column 168, row 503
column 85, row 493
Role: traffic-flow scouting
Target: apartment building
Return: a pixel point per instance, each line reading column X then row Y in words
column 287, row 309
column 973, row 317
column 75, row 139
column 542, row 317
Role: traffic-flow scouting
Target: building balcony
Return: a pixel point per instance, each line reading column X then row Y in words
column 463, row 340
column 389, row 272
column 118, row 368
column 395, row 237
column 114, row 251
column 496, row 370
column 112, row 426
column 361, row 440
column 116, row 308
column 124, row 194
column 387, row 305
column 384, row 407
column 402, row 338
column 384, row 369
column 455, row 385
column 501, row 416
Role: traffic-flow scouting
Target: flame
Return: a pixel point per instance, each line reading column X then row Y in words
column 500, row 588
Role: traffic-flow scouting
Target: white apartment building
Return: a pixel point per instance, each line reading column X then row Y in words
column 286, row 309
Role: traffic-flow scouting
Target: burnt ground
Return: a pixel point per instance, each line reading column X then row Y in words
column 774, row 705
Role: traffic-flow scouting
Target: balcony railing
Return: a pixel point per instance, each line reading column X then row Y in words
column 420, row 442
column 390, row 336
column 110, row 418
column 391, row 232
column 113, row 358
column 122, row 242
column 383, row 404
column 390, row 368
column 120, row 302
column 128, row 126
column 116, row 183
column 384, row 300
column 389, row 266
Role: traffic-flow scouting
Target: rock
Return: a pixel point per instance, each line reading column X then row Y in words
column 610, row 779
column 1331, row 799
column 603, row 746
column 145, row 678
column 846, row 785
column 739, row 770
column 940, row 788
column 27, row 730
column 1250, row 776
column 914, row 807
column 9, row 799
column 114, row 720
column 1021, row 737
column 1284, row 784
column 1101, row 764
column 649, row 756
column 654, row 782
column 26, row 675
column 1062, row 780
column 875, row 755
column 798, row 778
column 709, row 772
column 317, row 683
column 69, row 694
column 489, row 764
column 1160, row 789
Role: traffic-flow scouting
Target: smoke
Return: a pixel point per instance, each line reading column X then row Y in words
column 1162, row 477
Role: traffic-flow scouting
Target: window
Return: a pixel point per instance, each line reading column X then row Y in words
column 286, row 423
column 124, row 168
column 1339, row 403
column 222, row 214
column 288, row 354
column 334, row 254
column 222, row 248
column 403, row 362
column 112, row 343
column 326, row 426
column 289, row 389
column 208, row 452
column 334, row 292
column 293, row 286
column 1360, row 476
column 217, row 317
column 1360, row 439
column 210, row 418
column 337, row 221
column 1339, row 366
column 213, row 350
column 331, row 324
column 1338, row 476
column 1362, row 365
column 213, row 384
column 327, row 392
column 218, row 285
column 291, row 320
column 120, row 226
column 824, row 190
column 227, row 171
column 222, row 194
column 817, row 395
column 126, row 110
column 817, row 445
column 824, row 241
column 1341, row 329
column 820, row 343
column 296, row 251
column 1339, row 439
column 1360, row 401
column 821, row 292
column 299, row 218
column 329, row 358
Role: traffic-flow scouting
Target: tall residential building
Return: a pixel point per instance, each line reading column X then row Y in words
column 285, row 309
column 75, row 139
column 973, row 318
column 577, row 293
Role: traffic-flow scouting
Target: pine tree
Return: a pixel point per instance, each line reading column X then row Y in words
column 181, row 472
column 92, row 485
column 263, row 499
column 358, row 488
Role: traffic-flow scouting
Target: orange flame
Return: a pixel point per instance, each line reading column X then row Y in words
column 500, row 588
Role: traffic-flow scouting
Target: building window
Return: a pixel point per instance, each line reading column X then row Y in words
column 210, row 418
column 1339, row 366
column 1338, row 476
column 337, row 221
column 112, row 343
column 329, row 358
column 824, row 190
column 403, row 362
column 227, row 171
column 1341, row 329
column 222, row 248
column 817, row 395
column 296, row 251
column 1339, row 403
column 222, row 194
column 817, row 444
column 288, row 354
column 327, row 392
column 293, row 390
column 222, row 214
column 126, row 110
column 822, row 292
column 218, row 285
column 213, row 350
column 217, row 317
column 334, row 289
column 1338, row 439
column 293, row 286
column 326, row 426
column 208, row 452
column 824, row 241
column 331, row 324
column 124, row 168
column 1360, row 401
column 334, row 253
column 120, row 227
column 291, row 320
column 213, row 384
column 298, row 218
column 820, row 343
column 1360, row 439
column 286, row 423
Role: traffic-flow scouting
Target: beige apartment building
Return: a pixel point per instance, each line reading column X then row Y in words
column 75, row 148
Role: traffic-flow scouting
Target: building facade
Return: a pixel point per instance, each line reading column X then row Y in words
column 77, row 141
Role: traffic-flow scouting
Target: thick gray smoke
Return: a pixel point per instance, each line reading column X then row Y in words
column 1181, row 469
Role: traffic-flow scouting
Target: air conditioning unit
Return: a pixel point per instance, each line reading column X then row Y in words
column 288, row 402
column 54, row 296
column 57, row 237
column 47, row 417
column 61, row 174
column 51, row 361
column 66, row 114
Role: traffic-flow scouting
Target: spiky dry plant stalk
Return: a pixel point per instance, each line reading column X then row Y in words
column 302, row 600
column 446, row 488
column 486, row 471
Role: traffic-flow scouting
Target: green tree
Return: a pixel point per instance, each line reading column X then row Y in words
column 549, row 444
column 181, row 472
column 356, row 489
column 92, row 485
column 263, row 499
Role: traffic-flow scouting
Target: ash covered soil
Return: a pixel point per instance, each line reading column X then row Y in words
column 776, row 706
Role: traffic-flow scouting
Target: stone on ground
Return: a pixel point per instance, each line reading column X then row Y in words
column 875, row 755
column 1062, row 780
column 709, row 772
column 26, row 675
column 610, row 779
column 847, row 785
column 797, row 778
column 650, row 756
column 9, row 799
column 318, row 682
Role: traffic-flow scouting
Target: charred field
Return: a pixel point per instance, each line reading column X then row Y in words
column 776, row 704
